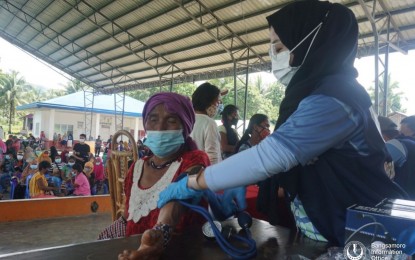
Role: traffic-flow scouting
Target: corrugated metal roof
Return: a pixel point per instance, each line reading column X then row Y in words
column 103, row 104
column 117, row 45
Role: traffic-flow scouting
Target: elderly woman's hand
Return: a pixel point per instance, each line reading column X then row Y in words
column 151, row 247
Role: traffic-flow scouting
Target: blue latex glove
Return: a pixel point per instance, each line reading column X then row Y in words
column 227, row 204
column 407, row 237
column 238, row 195
column 179, row 191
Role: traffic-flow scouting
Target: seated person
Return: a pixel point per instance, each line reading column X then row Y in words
column 44, row 156
column 169, row 117
column 90, row 172
column 53, row 153
column 38, row 185
column 65, row 155
column 30, row 169
column 19, row 162
column 81, row 183
column 7, row 171
column 120, row 145
column 99, row 178
column 68, row 175
column 56, row 176
column 257, row 130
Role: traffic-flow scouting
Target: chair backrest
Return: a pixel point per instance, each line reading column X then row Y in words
column 13, row 185
column 117, row 169
column 27, row 195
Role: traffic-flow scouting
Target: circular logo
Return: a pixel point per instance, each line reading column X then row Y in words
column 354, row 250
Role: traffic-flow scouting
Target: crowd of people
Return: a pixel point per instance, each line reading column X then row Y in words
column 35, row 173
column 22, row 159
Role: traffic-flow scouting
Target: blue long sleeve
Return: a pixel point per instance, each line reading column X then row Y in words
column 320, row 123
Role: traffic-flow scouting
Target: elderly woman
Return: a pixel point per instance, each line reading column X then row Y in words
column 168, row 120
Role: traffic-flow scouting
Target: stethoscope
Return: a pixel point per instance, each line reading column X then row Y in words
column 212, row 229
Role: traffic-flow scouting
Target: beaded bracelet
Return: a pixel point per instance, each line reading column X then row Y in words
column 166, row 229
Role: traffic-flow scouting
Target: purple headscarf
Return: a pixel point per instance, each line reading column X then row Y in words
column 178, row 105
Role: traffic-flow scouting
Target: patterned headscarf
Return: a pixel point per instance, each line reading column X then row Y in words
column 178, row 105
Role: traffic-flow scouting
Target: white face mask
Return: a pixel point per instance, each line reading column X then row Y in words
column 281, row 68
column 19, row 157
column 58, row 160
column 280, row 62
column 82, row 140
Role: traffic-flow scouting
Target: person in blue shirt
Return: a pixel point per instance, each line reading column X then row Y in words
column 326, row 150
column 402, row 150
column 408, row 127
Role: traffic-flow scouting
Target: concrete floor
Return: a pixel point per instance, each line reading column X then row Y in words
column 29, row 235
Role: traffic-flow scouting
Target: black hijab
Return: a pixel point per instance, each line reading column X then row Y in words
column 333, row 51
column 331, row 55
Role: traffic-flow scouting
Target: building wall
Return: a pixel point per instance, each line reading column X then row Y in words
column 37, row 124
column 105, row 123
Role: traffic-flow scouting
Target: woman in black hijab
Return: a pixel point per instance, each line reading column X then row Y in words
column 326, row 149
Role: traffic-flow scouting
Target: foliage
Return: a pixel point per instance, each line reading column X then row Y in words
column 14, row 92
column 185, row 89
column 262, row 98
column 394, row 97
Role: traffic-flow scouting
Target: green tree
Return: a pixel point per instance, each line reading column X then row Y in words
column 262, row 98
column 185, row 89
column 143, row 94
column 13, row 90
column 394, row 98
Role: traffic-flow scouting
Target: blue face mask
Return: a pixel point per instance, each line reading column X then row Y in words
column 164, row 143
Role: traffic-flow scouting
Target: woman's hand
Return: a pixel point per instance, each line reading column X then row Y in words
column 151, row 247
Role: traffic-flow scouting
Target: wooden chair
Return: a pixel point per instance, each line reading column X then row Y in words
column 117, row 169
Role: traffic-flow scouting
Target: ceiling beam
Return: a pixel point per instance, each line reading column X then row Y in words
column 35, row 21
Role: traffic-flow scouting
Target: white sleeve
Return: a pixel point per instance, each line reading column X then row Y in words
column 212, row 143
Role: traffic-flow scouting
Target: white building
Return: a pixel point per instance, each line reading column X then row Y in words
column 66, row 115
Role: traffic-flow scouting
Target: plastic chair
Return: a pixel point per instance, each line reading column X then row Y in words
column 27, row 195
column 13, row 185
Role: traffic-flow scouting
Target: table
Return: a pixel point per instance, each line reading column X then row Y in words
column 273, row 242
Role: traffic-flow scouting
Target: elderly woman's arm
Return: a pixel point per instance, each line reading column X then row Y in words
column 154, row 240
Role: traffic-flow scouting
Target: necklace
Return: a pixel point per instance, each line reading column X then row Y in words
column 163, row 165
